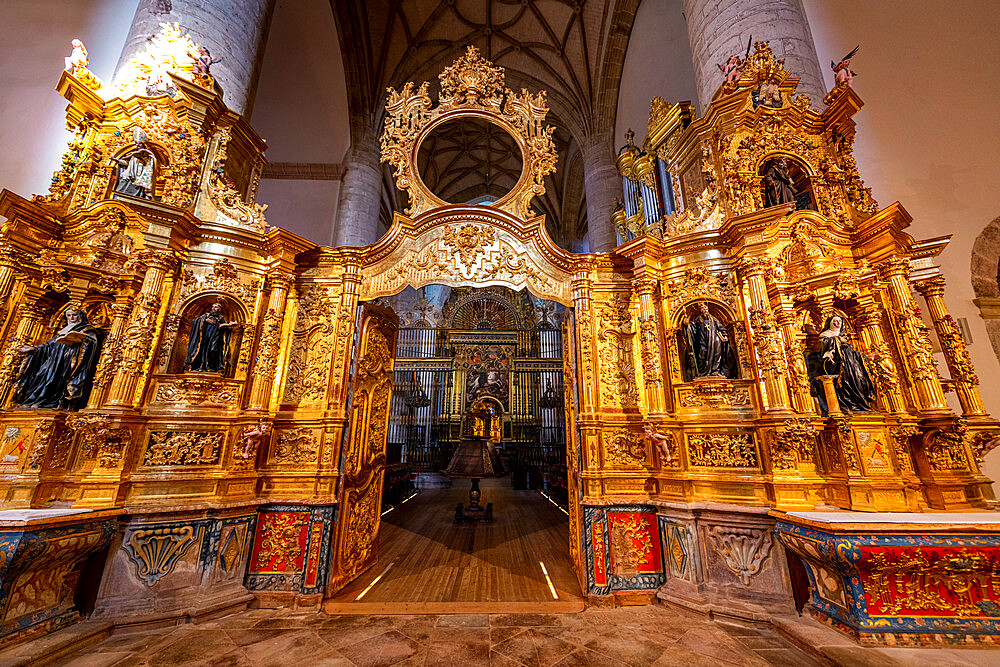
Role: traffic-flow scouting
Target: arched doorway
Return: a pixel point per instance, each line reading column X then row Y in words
column 457, row 346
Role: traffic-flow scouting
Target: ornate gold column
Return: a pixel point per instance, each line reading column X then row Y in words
column 798, row 375
column 344, row 331
column 270, row 340
column 913, row 339
column 955, row 353
column 111, row 354
column 587, row 420
column 770, row 358
column 29, row 315
column 869, row 320
column 10, row 259
column 650, row 346
column 137, row 345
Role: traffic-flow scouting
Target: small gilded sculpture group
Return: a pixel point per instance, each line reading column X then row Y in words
column 708, row 353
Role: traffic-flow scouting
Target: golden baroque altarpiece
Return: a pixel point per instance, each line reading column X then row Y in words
column 268, row 474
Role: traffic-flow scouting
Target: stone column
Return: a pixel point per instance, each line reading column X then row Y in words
column 360, row 196
column 955, row 353
column 140, row 335
column 718, row 29
column 603, row 185
column 915, row 343
column 234, row 32
column 270, row 340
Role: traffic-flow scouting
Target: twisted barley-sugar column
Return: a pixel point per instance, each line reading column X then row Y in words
column 802, row 400
column 270, row 341
column 139, row 335
column 870, row 321
column 929, row 393
column 650, row 349
column 776, row 389
column 955, row 353
column 111, row 351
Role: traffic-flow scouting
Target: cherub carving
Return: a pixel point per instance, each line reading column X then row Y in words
column 254, row 438
column 663, row 443
column 843, row 75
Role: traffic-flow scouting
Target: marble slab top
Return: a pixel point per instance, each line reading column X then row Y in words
column 900, row 517
column 31, row 517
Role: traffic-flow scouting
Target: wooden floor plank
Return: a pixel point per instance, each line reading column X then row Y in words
column 437, row 564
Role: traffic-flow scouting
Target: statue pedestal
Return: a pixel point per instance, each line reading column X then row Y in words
column 900, row 578
column 830, row 392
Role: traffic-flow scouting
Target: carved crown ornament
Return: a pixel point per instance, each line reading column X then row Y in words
column 472, row 87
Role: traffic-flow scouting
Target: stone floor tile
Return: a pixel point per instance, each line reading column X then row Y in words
column 235, row 658
column 104, row 659
column 715, row 643
column 190, row 647
column 633, row 652
column 464, row 621
column 504, row 633
column 247, row 636
column 857, row 656
column 453, row 654
column 461, row 634
column 784, row 657
column 682, row 655
column 355, row 633
column 550, row 649
column 587, row 658
column 520, row 647
column 500, row 660
column 301, row 647
column 500, row 620
column 921, row 657
column 389, row 648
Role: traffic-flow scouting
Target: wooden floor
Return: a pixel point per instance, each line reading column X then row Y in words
column 429, row 564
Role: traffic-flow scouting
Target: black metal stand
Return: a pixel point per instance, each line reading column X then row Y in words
column 474, row 511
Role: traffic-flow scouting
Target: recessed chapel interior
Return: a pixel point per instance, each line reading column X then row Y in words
column 508, row 332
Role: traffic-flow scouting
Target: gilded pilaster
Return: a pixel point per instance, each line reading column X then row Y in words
column 955, row 353
column 650, row 346
column 798, row 374
column 265, row 368
column 889, row 395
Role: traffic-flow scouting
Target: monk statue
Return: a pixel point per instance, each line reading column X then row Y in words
column 778, row 186
column 58, row 375
column 208, row 343
column 707, row 349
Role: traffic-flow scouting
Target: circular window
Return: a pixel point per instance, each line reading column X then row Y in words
column 469, row 161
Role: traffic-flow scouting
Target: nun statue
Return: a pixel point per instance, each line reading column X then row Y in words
column 135, row 174
column 58, row 375
column 836, row 357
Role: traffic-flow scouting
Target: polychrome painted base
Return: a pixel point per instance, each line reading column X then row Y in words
column 910, row 579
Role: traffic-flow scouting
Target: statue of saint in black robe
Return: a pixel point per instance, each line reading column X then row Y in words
column 208, row 343
column 708, row 353
column 836, row 356
column 778, row 186
column 59, row 374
